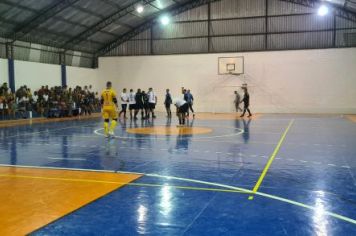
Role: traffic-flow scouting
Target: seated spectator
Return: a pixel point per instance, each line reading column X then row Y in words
column 2, row 101
column 4, row 88
column 54, row 101
column 12, row 106
column 23, row 105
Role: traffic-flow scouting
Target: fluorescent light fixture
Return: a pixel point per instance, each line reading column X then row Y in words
column 139, row 8
column 323, row 10
column 165, row 20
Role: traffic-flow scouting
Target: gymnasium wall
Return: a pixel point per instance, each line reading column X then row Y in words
column 3, row 71
column 82, row 76
column 34, row 75
column 302, row 81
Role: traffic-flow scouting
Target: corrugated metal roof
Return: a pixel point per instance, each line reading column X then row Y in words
column 98, row 26
column 61, row 22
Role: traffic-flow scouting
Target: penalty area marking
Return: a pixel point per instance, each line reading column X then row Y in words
column 266, row 195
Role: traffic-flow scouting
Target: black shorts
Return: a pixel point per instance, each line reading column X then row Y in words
column 168, row 105
column 139, row 106
column 151, row 105
column 132, row 107
column 124, row 107
column 184, row 108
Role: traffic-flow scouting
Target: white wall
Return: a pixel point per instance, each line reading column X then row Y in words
column 83, row 76
column 34, row 75
column 303, row 81
column 4, row 72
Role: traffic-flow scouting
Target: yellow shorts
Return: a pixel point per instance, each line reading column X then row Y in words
column 109, row 113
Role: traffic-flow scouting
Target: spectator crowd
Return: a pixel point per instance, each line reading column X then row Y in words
column 47, row 101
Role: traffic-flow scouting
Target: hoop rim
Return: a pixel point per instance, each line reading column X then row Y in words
column 232, row 73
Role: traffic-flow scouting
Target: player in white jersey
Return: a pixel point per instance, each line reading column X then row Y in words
column 182, row 108
column 124, row 100
column 132, row 102
column 152, row 100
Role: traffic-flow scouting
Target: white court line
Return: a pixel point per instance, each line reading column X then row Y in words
column 67, row 159
column 266, row 195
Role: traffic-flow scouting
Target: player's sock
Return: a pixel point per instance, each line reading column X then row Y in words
column 106, row 128
column 113, row 125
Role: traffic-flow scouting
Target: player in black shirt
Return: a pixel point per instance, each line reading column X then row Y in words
column 139, row 104
column 246, row 101
column 145, row 103
column 167, row 103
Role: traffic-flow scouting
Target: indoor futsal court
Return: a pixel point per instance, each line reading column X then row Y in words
column 178, row 117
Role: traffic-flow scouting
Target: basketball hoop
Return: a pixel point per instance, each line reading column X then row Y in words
column 233, row 73
column 230, row 65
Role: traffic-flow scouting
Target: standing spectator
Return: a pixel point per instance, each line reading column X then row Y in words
column 124, row 101
column 167, row 103
column 152, row 101
column 237, row 101
column 246, row 101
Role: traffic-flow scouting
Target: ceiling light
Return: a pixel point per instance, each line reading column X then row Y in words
column 323, row 10
column 165, row 20
column 139, row 8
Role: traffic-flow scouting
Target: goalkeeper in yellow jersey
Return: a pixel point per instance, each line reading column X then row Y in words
column 109, row 109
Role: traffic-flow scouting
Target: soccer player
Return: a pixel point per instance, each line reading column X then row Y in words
column 182, row 108
column 139, row 104
column 132, row 103
column 145, row 103
column 167, row 103
column 124, row 101
column 152, row 101
column 109, row 109
column 246, row 101
column 190, row 101
column 237, row 101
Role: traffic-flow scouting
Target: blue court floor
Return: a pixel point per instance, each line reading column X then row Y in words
column 201, row 184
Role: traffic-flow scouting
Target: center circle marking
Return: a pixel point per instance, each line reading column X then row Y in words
column 169, row 130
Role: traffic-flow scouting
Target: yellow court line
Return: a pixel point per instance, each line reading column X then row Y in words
column 125, row 183
column 269, row 163
column 227, row 187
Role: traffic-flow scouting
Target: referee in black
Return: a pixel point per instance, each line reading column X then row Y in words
column 246, row 101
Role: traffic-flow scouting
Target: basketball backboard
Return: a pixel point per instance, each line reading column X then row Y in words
column 230, row 65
